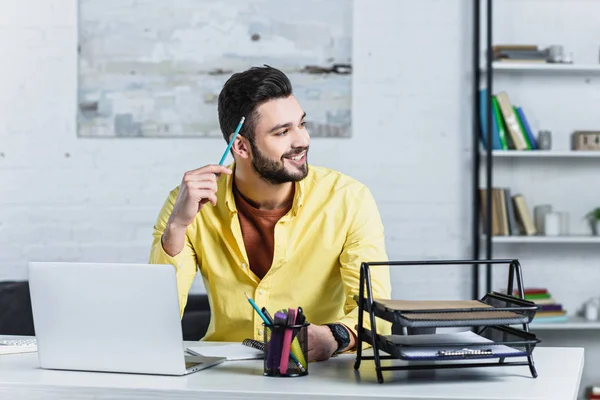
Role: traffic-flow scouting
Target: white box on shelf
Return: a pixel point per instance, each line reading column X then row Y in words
column 552, row 224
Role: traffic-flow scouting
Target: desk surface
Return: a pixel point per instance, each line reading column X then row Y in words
column 559, row 377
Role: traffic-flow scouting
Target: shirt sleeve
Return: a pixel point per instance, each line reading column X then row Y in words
column 185, row 263
column 365, row 242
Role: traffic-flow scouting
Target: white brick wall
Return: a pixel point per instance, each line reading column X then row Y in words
column 80, row 199
column 64, row 198
column 69, row 198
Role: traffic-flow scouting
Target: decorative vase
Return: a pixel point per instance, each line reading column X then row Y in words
column 595, row 225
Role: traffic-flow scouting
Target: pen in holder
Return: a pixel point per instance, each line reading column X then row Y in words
column 286, row 350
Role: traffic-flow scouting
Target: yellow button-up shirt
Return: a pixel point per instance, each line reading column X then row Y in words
column 332, row 227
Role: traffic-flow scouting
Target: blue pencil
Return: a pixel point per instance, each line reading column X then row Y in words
column 237, row 130
column 258, row 310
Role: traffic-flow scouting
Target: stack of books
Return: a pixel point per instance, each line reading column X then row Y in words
column 550, row 310
column 510, row 127
column 522, row 53
column 510, row 213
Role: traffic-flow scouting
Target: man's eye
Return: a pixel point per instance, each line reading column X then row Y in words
column 303, row 124
column 282, row 133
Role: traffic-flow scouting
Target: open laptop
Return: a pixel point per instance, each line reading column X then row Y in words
column 110, row 317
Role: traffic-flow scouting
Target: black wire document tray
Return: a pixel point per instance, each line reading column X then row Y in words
column 493, row 309
column 490, row 342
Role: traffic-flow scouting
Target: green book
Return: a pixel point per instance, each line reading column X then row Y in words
column 537, row 296
column 525, row 136
column 500, row 123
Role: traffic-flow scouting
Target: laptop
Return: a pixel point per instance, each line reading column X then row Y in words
column 110, row 318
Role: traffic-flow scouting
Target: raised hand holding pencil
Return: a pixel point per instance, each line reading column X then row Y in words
column 198, row 187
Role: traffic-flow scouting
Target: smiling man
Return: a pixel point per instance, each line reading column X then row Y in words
column 271, row 226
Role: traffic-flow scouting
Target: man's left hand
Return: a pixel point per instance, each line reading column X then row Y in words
column 322, row 344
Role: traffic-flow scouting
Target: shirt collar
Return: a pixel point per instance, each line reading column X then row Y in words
column 229, row 199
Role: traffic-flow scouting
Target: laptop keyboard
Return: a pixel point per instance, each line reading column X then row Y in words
column 18, row 342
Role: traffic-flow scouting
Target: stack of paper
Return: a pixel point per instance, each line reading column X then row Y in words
column 428, row 347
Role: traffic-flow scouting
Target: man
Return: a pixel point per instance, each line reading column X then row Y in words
column 270, row 226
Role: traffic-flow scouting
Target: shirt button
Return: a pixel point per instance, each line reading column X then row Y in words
column 261, row 292
column 260, row 331
column 244, row 265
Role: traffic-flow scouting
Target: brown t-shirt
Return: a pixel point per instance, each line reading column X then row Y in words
column 258, row 231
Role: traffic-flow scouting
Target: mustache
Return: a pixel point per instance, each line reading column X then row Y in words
column 295, row 152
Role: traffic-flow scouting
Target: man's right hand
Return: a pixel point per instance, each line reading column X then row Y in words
column 197, row 188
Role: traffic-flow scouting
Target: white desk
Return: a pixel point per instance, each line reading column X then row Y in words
column 559, row 377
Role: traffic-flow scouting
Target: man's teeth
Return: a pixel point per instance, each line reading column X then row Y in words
column 298, row 157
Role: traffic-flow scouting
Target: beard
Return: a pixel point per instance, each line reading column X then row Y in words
column 274, row 171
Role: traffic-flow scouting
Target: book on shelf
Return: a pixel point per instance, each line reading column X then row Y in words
column 526, row 128
column 511, row 122
column 510, row 214
column 521, row 61
column 550, row 310
column 519, row 53
column 498, row 132
column 511, row 129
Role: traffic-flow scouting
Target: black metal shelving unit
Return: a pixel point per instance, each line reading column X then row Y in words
column 477, row 212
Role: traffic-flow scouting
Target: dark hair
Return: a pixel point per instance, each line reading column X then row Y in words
column 244, row 92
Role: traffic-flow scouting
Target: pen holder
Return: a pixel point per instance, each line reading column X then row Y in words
column 286, row 350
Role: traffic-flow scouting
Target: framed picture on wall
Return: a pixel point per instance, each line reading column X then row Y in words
column 154, row 69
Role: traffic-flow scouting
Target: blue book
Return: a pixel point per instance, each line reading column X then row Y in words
column 527, row 129
column 496, row 145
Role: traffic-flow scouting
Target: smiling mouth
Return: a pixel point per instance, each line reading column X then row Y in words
column 297, row 157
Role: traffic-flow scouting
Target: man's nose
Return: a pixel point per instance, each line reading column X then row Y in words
column 301, row 138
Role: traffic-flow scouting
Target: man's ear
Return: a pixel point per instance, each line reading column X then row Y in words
column 241, row 146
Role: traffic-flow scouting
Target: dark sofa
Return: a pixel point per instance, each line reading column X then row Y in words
column 16, row 317
column 15, row 309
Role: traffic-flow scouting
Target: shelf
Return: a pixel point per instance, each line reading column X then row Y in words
column 543, row 67
column 573, row 323
column 543, row 154
column 545, row 239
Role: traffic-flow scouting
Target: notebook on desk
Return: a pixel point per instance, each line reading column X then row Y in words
column 232, row 352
